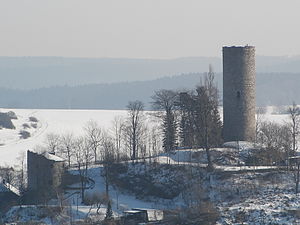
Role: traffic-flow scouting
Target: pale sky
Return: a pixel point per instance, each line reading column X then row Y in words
column 147, row 28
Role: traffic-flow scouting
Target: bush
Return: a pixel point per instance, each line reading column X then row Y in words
column 24, row 134
column 34, row 125
column 25, row 126
column 33, row 119
column 143, row 180
column 12, row 115
column 5, row 121
column 205, row 213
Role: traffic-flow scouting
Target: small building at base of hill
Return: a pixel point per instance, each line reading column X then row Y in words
column 141, row 215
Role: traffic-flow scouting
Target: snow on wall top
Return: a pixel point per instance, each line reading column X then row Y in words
column 53, row 157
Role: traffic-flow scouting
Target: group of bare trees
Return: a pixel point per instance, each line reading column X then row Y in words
column 134, row 128
column 130, row 137
column 278, row 142
column 275, row 141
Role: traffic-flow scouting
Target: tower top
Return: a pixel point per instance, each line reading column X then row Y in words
column 238, row 47
column 234, row 46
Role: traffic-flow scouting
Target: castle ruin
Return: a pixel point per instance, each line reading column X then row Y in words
column 239, row 93
column 45, row 171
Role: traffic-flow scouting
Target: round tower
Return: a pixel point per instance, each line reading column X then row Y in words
column 239, row 93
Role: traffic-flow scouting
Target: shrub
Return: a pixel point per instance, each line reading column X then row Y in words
column 33, row 119
column 12, row 115
column 162, row 181
column 25, row 126
column 5, row 121
column 24, row 134
column 34, row 125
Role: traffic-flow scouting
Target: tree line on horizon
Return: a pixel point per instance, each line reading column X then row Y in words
column 271, row 89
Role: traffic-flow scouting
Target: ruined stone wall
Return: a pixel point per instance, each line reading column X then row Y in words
column 58, row 172
column 239, row 93
column 43, row 173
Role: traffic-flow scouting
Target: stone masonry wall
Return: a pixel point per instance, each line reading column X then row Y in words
column 43, row 173
column 239, row 93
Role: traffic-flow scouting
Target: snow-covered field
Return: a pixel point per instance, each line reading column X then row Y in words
column 60, row 122
column 266, row 201
column 49, row 121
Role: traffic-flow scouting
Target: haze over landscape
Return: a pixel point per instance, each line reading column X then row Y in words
column 82, row 83
column 65, row 46
column 147, row 29
column 129, row 112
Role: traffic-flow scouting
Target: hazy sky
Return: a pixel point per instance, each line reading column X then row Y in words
column 147, row 28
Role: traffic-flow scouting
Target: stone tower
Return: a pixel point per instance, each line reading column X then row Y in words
column 239, row 93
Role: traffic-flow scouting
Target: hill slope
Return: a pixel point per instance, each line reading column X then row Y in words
column 271, row 89
column 37, row 72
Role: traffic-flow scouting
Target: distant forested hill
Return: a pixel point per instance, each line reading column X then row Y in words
column 39, row 72
column 272, row 89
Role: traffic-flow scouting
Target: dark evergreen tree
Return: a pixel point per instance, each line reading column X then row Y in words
column 201, row 125
column 164, row 102
column 187, row 130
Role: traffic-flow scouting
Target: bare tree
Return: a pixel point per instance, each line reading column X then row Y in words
column 22, row 175
column 294, row 112
column 108, row 148
column 117, row 130
column 165, row 102
column 52, row 142
column 96, row 199
column 83, row 156
column 134, row 126
column 93, row 137
column 143, row 144
column 67, row 146
column 259, row 120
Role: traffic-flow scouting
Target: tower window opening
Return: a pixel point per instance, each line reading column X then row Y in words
column 238, row 94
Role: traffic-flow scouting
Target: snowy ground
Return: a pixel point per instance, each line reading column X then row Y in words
column 253, row 196
column 121, row 199
column 49, row 121
column 63, row 121
column 265, row 205
column 257, row 198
